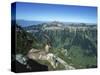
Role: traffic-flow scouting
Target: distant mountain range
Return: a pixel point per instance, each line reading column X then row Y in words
column 25, row 23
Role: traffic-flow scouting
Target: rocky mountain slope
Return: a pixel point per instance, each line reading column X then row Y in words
column 71, row 46
column 78, row 40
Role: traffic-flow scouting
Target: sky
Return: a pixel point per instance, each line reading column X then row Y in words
column 51, row 12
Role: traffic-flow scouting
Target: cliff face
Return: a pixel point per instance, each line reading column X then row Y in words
column 79, row 41
column 74, row 45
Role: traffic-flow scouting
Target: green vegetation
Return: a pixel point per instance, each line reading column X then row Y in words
column 24, row 40
column 77, row 47
column 80, row 45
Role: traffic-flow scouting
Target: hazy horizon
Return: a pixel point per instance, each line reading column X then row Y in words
column 24, row 23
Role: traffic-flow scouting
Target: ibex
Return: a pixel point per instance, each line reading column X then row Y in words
column 42, row 55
